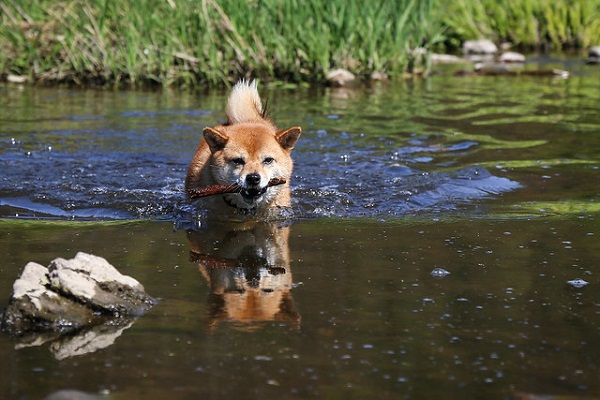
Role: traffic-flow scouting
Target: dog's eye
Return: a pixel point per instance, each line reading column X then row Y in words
column 268, row 160
column 238, row 161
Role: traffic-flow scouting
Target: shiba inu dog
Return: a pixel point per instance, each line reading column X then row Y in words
column 248, row 150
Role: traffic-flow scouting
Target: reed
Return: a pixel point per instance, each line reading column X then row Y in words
column 205, row 42
column 192, row 43
column 549, row 24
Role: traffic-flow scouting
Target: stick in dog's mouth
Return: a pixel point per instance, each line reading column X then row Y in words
column 227, row 188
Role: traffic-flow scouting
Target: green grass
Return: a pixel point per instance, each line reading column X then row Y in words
column 192, row 43
column 549, row 24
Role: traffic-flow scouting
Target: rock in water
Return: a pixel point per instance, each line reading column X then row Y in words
column 594, row 55
column 92, row 281
column 68, row 394
column 340, row 77
column 481, row 46
column 34, row 307
column 511, row 57
column 72, row 294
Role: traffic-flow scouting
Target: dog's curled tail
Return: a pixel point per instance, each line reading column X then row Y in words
column 244, row 103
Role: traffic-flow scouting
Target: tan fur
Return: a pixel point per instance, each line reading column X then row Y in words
column 248, row 273
column 264, row 151
column 244, row 103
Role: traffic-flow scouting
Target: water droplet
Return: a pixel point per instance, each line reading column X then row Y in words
column 577, row 283
column 439, row 273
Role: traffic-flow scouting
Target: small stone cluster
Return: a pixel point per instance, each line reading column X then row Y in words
column 484, row 53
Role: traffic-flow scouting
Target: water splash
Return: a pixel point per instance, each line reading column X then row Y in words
column 578, row 283
column 132, row 164
column 355, row 182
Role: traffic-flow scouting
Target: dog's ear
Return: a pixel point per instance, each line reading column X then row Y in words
column 287, row 137
column 215, row 139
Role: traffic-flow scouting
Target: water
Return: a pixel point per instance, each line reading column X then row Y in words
column 443, row 231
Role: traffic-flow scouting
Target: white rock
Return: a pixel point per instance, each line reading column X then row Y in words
column 340, row 77
column 445, row 59
column 511, row 57
column 101, row 270
column 71, row 294
column 482, row 46
column 379, row 76
column 16, row 78
column 31, row 283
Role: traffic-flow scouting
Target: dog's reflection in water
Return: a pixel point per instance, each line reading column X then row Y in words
column 247, row 267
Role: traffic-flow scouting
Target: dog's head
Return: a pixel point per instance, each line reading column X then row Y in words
column 250, row 154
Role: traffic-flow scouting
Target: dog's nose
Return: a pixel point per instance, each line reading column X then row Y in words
column 253, row 179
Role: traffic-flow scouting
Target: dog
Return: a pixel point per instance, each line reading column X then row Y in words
column 247, row 150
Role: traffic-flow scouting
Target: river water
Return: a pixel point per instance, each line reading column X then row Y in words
column 442, row 231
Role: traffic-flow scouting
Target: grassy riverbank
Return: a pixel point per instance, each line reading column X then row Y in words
column 546, row 24
column 210, row 42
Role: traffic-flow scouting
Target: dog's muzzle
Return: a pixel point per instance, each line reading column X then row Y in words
column 251, row 194
column 252, row 190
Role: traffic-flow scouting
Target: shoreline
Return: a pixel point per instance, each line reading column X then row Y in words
column 190, row 45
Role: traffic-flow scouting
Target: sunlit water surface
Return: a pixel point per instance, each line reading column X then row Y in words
column 439, row 226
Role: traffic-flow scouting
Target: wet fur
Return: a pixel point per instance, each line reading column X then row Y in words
column 248, row 144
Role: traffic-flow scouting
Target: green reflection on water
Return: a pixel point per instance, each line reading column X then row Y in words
column 374, row 321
